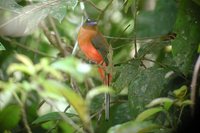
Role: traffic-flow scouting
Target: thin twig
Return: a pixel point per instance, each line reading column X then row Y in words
column 27, row 48
column 92, row 4
column 65, row 117
column 57, row 122
column 193, row 85
column 104, row 10
column 57, row 37
column 135, row 24
column 24, row 117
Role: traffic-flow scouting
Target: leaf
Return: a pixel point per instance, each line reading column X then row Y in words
column 147, row 85
column 25, row 60
column 181, row 92
column 50, row 117
column 148, row 113
column 74, row 67
column 57, row 90
column 167, row 102
column 134, row 127
column 96, row 91
column 197, row 2
column 27, row 66
column 9, row 117
column 159, row 21
column 19, row 21
column 125, row 74
column 59, row 11
column 199, row 48
column 184, row 47
column 2, row 47
column 19, row 67
column 128, row 4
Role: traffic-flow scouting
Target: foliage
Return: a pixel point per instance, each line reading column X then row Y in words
column 48, row 85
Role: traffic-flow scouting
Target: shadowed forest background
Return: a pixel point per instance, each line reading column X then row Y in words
column 47, row 85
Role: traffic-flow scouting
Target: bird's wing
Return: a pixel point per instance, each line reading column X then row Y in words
column 100, row 43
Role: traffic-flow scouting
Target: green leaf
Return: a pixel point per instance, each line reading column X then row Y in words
column 96, row 91
column 57, row 90
column 19, row 67
column 167, row 102
column 59, row 11
column 184, row 47
column 125, row 74
column 148, row 113
column 2, row 47
column 134, row 127
column 186, row 102
column 159, row 21
column 198, row 48
column 197, row 2
column 147, row 85
column 74, row 67
column 9, row 117
column 128, row 4
column 50, row 117
column 181, row 92
column 119, row 113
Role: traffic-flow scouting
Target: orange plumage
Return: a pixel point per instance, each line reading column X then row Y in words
column 95, row 47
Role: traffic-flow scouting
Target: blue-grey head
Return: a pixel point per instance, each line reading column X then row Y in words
column 90, row 22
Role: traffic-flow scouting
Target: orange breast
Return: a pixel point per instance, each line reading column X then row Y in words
column 86, row 46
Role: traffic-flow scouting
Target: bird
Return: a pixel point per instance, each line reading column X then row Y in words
column 96, row 48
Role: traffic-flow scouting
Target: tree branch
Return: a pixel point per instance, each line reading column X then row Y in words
column 193, row 85
column 104, row 10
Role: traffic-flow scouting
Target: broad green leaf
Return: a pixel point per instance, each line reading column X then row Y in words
column 158, row 22
column 96, row 91
column 197, row 2
column 19, row 21
column 2, row 47
column 9, row 117
column 134, row 127
column 185, row 46
column 119, row 113
column 148, row 113
column 74, row 67
column 181, row 92
column 50, row 117
column 57, row 90
column 59, row 11
column 125, row 74
column 147, row 85
column 166, row 102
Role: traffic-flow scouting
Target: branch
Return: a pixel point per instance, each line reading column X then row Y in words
column 193, row 85
column 134, row 11
column 24, row 117
column 103, row 11
column 92, row 4
column 64, row 117
column 57, row 37
column 27, row 48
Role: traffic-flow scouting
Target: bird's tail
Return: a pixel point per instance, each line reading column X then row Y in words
column 106, row 80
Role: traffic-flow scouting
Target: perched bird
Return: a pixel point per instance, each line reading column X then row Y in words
column 96, row 48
